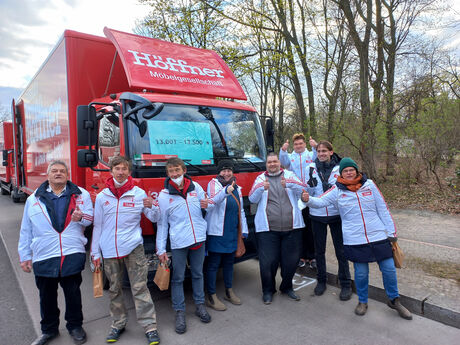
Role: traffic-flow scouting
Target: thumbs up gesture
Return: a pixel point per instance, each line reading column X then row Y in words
column 231, row 188
column 204, row 202
column 283, row 181
column 148, row 202
column 76, row 215
column 285, row 146
column 266, row 185
column 305, row 196
column 312, row 142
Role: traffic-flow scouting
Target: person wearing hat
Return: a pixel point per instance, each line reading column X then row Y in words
column 368, row 230
column 225, row 215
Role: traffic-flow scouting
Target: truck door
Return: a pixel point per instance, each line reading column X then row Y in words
column 18, row 159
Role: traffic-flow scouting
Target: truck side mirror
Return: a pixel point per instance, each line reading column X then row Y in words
column 87, row 158
column 269, row 134
column 5, row 158
column 86, row 125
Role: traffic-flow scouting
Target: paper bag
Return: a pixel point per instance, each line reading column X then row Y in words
column 97, row 282
column 162, row 277
column 398, row 255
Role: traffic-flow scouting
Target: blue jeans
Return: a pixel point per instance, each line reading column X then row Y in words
column 214, row 260
column 390, row 282
column 278, row 248
column 320, row 235
column 179, row 260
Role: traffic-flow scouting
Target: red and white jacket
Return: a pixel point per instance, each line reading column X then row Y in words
column 38, row 240
column 298, row 162
column 215, row 213
column 365, row 214
column 117, row 231
column 258, row 195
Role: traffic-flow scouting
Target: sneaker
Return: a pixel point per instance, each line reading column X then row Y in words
column 230, row 296
column 267, row 297
column 301, row 263
column 361, row 309
column 213, row 302
column 181, row 326
column 402, row 311
column 153, row 337
column 78, row 335
column 202, row 313
column 345, row 293
column 312, row 264
column 320, row 288
column 114, row 335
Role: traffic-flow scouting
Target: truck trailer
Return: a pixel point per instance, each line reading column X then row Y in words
column 143, row 98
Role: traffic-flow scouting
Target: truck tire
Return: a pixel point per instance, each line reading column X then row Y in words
column 4, row 191
column 15, row 195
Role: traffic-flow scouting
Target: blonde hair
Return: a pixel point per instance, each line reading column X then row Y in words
column 298, row 136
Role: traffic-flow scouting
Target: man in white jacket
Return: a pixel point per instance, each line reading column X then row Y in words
column 278, row 224
column 52, row 242
column 118, row 235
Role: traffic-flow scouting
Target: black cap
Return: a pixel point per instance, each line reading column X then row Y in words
column 225, row 164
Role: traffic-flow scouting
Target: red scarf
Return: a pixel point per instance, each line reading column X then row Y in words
column 352, row 185
column 118, row 192
column 184, row 189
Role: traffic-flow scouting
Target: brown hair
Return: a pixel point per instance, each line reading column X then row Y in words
column 117, row 160
column 326, row 144
column 298, row 136
column 174, row 162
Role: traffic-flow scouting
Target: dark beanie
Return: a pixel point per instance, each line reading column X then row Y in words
column 225, row 164
column 346, row 163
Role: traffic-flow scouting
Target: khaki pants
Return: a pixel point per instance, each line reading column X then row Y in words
column 136, row 264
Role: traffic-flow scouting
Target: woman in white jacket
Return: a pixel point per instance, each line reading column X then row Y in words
column 225, row 215
column 367, row 228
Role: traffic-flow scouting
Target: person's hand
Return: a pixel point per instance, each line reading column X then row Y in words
column 77, row 215
column 231, row 188
column 27, row 266
column 285, row 146
column 305, row 196
column 266, row 185
column 204, row 202
column 96, row 262
column 163, row 258
column 392, row 239
column 312, row 142
column 283, row 181
column 148, row 202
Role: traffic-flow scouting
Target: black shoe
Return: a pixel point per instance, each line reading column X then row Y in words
column 267, row 297
column 78, row 335
column 320, row 288
column 181, row 326
column 153, row 337
column 202, row 313
column 291, row 294
column 44, row 338
column 114, row 335
column 345, row 293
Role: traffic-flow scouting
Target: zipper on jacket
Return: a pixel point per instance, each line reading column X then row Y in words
column 190, row 216
column 116, row 228
column 62, row 256
column 301, row 170
column 362, row 216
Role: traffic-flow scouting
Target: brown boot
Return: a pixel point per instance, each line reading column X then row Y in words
column 213, row 302
column 230, row 296
column 361, row 309
column 402, row 311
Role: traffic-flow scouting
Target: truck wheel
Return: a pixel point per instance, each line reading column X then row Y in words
column 15, row 196
column 4, row 191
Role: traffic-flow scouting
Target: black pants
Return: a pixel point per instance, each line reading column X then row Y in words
column 48, row 288
column 320, row 235
column 278, row 248
column 308, row 243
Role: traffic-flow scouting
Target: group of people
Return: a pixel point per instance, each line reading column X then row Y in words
column 295, row 205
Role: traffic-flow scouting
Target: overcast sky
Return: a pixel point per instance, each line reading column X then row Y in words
column 29, row 29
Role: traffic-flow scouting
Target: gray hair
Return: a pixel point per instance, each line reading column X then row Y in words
column 57, row 162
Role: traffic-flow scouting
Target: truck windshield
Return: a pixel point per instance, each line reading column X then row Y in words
column 199, row 135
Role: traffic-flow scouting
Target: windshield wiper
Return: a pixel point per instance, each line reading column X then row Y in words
column 207, row 113
column 187, row 161
column 247, row 160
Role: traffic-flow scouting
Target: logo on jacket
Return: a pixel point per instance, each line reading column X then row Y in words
column 367, row 193
column 107, row 203
column 192, row 193
column 344, row 195
column 128, row 204
column 171, row 200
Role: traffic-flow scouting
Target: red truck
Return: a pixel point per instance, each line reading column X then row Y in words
column 6, row 147
column 146, row 99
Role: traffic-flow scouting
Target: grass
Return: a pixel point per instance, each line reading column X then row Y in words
column 440, row 269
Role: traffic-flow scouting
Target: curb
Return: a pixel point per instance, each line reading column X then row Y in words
column 419, row 307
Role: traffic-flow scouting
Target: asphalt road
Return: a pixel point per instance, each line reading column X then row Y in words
column 313, row 320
